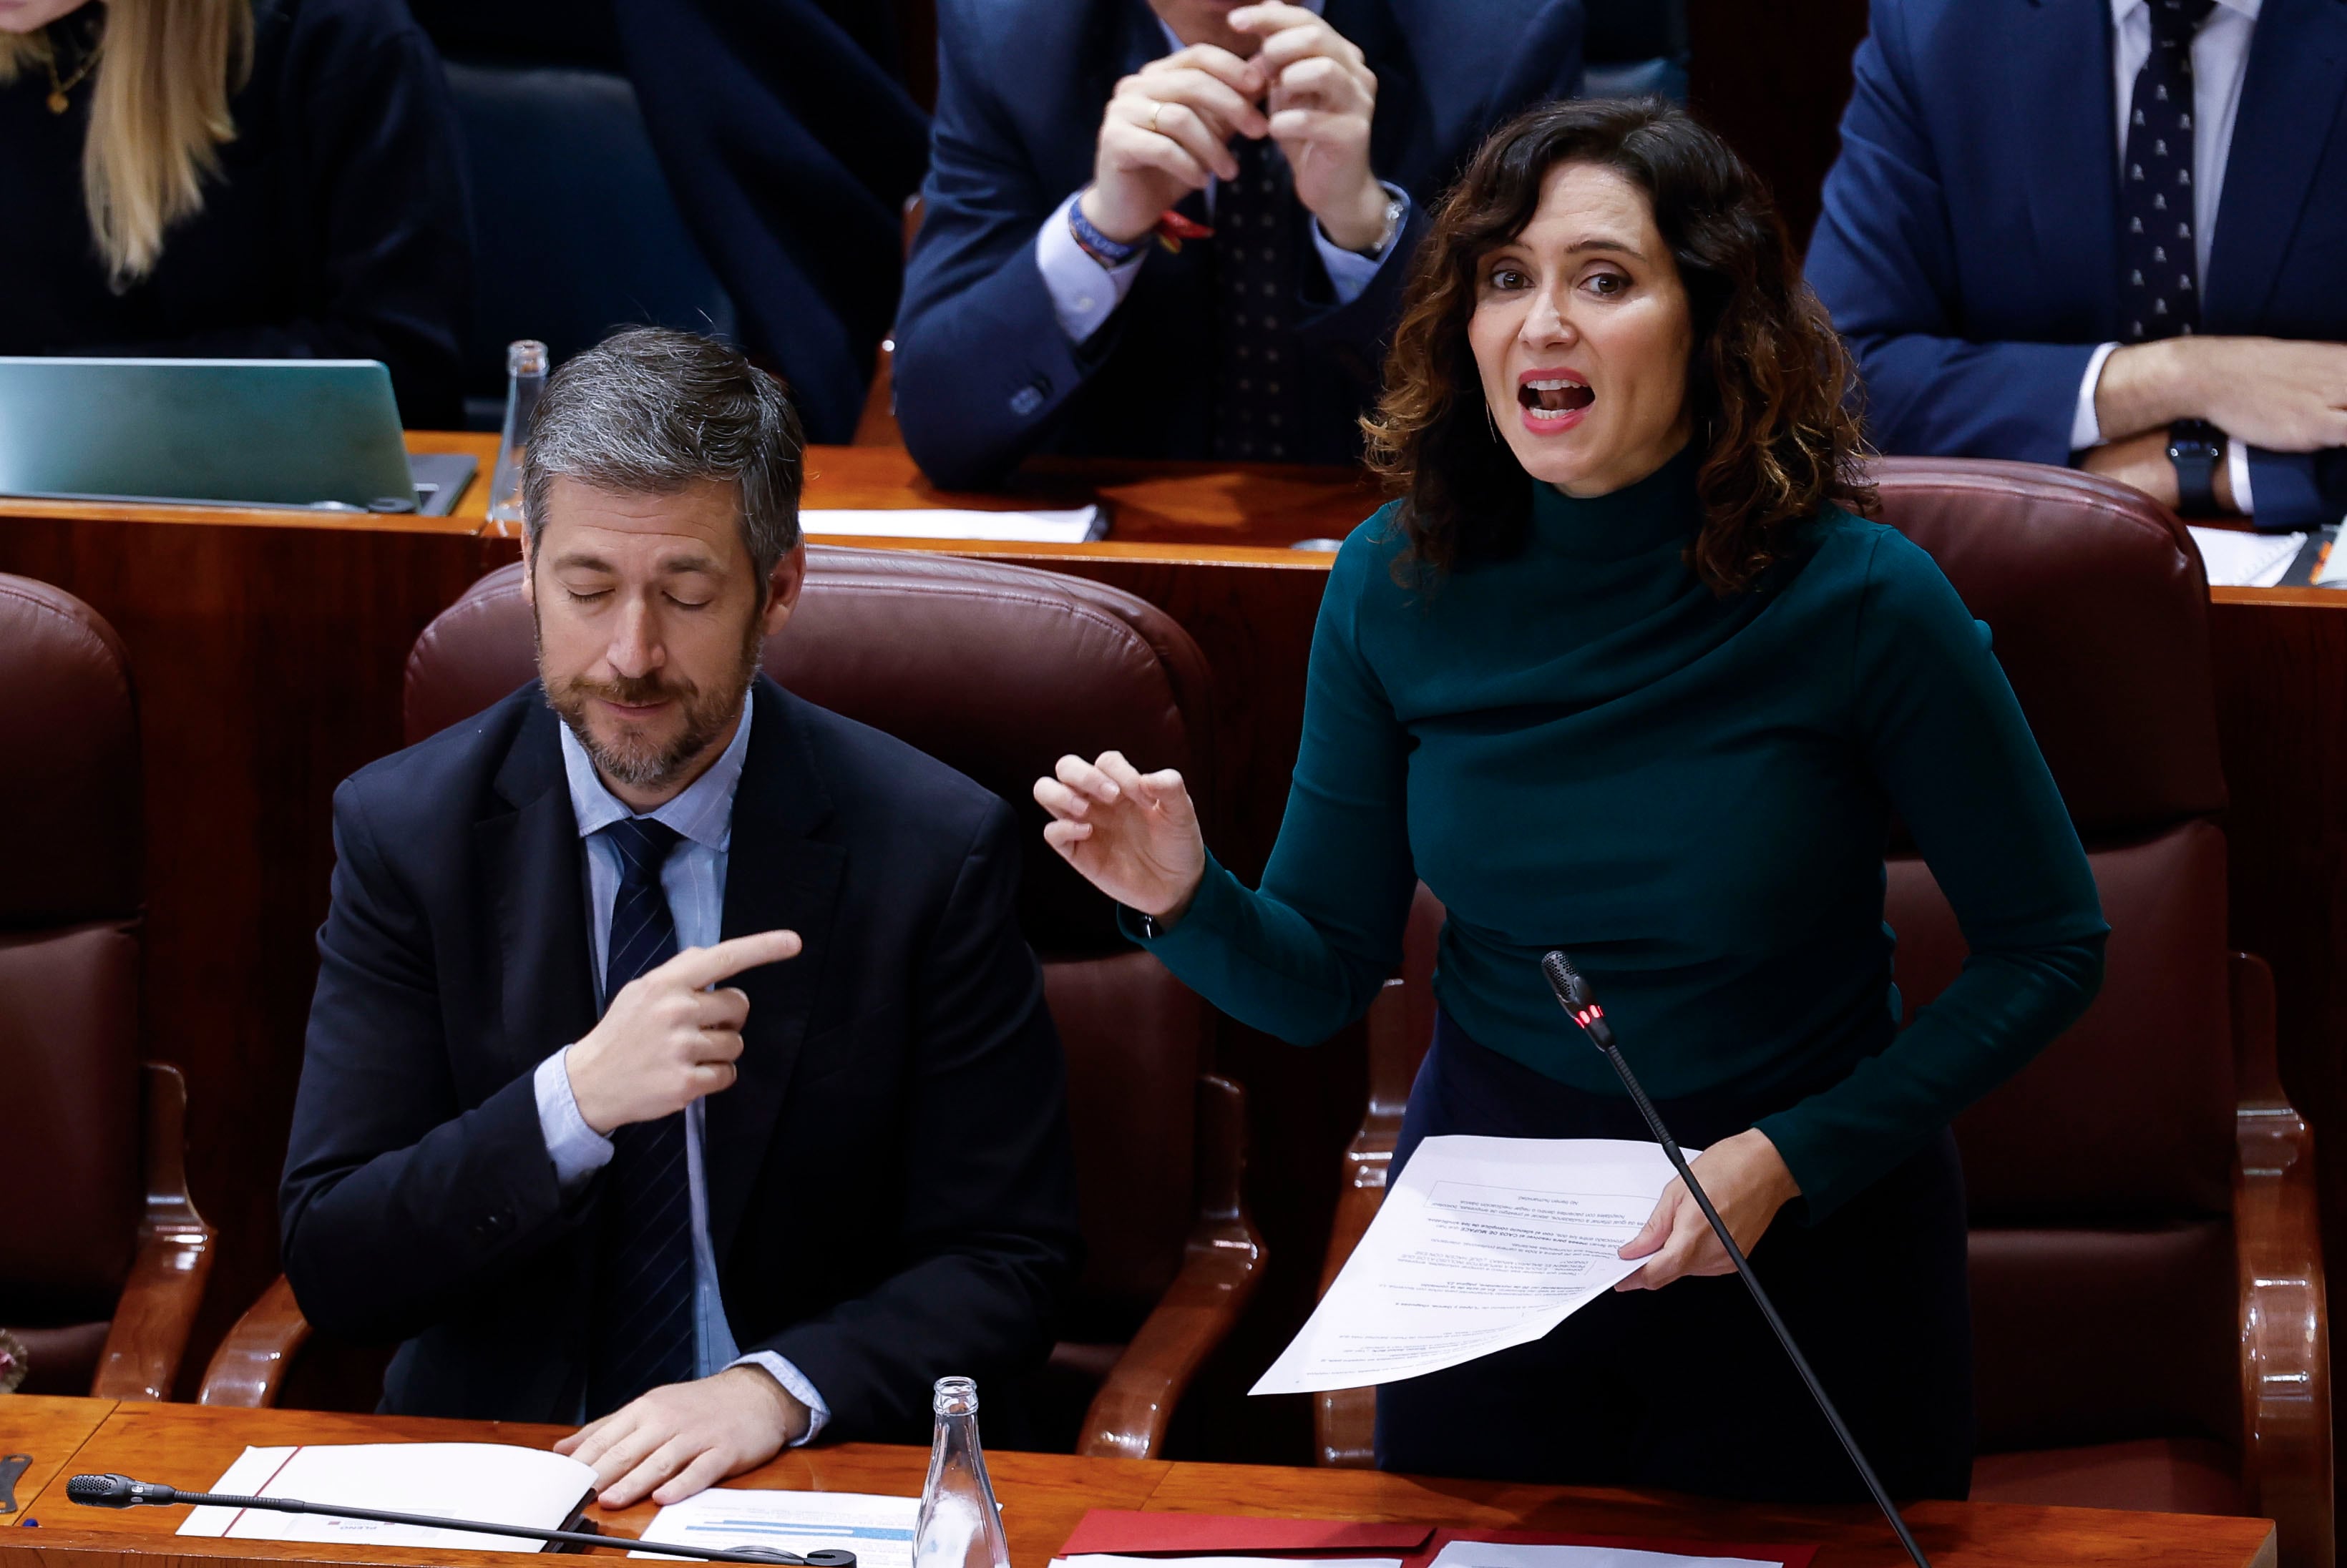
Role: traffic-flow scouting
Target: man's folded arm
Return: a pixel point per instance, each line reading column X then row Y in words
column 396, row 1203
column 989, row 1232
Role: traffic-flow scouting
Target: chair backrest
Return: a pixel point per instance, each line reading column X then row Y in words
column 996, row 671
column 69, row 917
column 575, row 231
column 2105, row 1296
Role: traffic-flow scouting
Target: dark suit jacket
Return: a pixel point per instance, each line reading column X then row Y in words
column 984, row 375
column 891, row 1193
column 1969, row 246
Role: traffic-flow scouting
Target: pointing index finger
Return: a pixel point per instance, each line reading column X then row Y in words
column 700, row 966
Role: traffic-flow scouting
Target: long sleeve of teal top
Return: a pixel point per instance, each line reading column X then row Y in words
column 1581, row 747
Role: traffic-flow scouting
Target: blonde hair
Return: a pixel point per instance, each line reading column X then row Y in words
column 158, row 114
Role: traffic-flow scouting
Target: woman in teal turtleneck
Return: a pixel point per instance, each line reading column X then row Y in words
column 1621, row 673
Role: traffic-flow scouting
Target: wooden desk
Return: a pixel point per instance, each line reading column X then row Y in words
column 268, row 650
column 1044, row 1495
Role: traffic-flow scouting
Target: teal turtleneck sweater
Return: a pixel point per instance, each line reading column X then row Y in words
column 1581, row 747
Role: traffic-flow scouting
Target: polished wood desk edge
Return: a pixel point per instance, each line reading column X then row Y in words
column 1160, row 1486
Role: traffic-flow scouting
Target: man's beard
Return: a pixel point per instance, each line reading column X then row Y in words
column 638, row 761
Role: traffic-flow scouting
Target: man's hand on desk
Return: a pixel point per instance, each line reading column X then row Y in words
column 666, row 1039
column 2142, row 460
column 687, row 1437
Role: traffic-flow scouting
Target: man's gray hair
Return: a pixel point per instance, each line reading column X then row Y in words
column 649, row 411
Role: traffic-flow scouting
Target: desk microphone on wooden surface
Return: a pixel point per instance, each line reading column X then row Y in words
column 122, row 1491
column 1574, row 993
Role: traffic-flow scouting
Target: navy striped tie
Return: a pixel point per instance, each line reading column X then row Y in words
column 644, row 1286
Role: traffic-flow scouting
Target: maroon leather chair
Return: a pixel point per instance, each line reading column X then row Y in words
column 2147, row 1292
column 103, row 1257
column 998, row 671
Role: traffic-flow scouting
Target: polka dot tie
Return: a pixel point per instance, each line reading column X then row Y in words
column 1257, row 224
column 2159, row 288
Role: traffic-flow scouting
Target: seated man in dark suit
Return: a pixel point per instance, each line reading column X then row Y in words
column 538, row 1134
column 1201, row 259
column 2106, row 228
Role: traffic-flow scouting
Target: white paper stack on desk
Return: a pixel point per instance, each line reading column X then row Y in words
column 497, row 1484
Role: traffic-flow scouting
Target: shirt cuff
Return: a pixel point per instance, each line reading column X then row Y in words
column 2236, row 469
column 794, row 1384
column 579, row 1151
column 1349, row 272
column 2086, row 428
column 1084, row 294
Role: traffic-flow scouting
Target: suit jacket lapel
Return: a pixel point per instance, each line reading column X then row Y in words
column 2058, row 82
column 2291, row 98
column 531, row 858
column 777, row 875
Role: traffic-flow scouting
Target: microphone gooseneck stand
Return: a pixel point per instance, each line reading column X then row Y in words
column 1574, row 993
column 122, row 1491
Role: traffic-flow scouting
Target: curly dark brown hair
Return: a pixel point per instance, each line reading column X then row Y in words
column 1769, row 384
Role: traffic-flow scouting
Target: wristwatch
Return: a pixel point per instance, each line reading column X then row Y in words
column 2195, row 447
column 1397, row 209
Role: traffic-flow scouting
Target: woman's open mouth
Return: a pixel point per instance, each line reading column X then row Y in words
column 1552, row 402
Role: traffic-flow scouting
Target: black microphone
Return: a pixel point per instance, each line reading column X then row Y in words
column 122, row 1491
column 1574, row 994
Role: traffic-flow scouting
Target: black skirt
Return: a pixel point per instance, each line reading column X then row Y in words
column 1685, row 1388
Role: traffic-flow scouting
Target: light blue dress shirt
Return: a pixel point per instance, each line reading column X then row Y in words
column 1084, row 294
column 693, row 879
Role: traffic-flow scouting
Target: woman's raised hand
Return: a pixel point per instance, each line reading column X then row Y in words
column 1134, row 835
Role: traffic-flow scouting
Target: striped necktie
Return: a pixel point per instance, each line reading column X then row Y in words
column 643, row 1335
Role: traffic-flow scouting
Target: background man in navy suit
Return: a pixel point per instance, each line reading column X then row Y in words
column 539, row 1136
column 1041, row 308
column 2064, row 226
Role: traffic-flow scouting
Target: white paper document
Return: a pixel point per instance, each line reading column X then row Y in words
column 1494, row 1555
column 878, row 1530
column 497, row 1482
column 1481, row 1243
column 1072, row 526
column 2238, row 560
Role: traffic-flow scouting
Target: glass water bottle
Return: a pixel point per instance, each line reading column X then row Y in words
column 960, row 1526
column 525, row 380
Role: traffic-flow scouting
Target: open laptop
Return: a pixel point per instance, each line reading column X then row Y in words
column 313, row 434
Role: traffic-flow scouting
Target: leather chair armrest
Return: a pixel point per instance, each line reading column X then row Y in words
column 1222, row 1263
column 174, row 1257
column 248, row 1369
column 2285, row 1318
column 1344, row 1421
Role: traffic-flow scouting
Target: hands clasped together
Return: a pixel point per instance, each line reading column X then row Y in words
column 1308, row 87
column 671, row 1036
column 2269, row 392
column 1134, row 836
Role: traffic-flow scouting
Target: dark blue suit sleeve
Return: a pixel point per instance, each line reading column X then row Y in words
column 2288, row 489
column 396, row 1205
column 989, row 1238
column 1882, row 261
column 982, row 365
